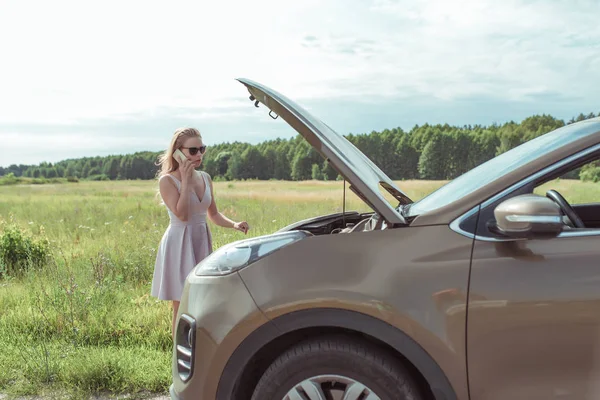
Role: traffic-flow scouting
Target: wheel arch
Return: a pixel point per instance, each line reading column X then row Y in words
column 259, row 349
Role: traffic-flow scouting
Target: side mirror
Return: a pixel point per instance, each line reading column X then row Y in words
column 528, row 216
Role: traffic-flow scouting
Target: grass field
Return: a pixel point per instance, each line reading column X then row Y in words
column 85, row 322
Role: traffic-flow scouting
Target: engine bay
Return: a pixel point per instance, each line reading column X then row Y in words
column 338, row 223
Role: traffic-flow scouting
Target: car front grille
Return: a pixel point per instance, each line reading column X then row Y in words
column 185, row 339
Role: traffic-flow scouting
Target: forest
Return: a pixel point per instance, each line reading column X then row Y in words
column 426, row 152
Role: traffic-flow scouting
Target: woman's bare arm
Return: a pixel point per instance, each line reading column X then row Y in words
column 218, row 218
column 178, row 202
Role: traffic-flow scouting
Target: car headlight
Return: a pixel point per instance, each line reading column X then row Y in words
column 237, row 255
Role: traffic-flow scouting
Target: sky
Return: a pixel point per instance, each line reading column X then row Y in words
column 114, row 77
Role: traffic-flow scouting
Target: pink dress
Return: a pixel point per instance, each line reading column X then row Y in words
column 183, row 245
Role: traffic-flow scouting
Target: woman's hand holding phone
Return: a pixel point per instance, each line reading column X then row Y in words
column 185, row 165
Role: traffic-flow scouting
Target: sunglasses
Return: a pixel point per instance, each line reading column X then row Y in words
column 194, row 150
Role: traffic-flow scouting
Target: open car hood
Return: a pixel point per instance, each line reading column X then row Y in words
column 365, row 178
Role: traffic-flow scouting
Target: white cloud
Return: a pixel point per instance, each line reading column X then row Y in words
column 76, row 60
column 67, row 63
column 72, row 60
column 506, row 49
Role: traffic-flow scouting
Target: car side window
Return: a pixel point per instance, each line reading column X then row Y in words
column 580, row 185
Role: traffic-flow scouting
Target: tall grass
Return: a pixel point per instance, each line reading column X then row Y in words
column 85, row 321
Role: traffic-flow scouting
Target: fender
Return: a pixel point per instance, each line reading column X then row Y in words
column 330, row 317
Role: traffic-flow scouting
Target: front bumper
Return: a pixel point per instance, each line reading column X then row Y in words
column 224, row 313
column 172, row 393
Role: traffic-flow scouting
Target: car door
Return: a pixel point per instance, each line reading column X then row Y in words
column 533, row 329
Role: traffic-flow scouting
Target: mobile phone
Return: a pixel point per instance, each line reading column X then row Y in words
column 179, row 156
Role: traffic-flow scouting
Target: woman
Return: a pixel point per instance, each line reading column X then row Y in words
column 189, row 198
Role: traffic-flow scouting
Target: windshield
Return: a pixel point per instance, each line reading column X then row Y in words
column 499, row 166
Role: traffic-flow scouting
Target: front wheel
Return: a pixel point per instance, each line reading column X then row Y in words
column 336, row 368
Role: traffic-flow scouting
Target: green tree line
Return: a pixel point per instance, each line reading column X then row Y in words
column 429, row 152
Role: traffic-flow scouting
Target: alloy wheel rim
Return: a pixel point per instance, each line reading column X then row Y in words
column 330, row 387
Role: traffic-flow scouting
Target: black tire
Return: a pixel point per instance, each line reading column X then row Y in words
column 337, row 355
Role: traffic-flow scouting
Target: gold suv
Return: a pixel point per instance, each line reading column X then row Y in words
column 486, row 289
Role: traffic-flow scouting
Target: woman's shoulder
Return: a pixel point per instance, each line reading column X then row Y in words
column 168, row 179
column 169, row 175
column 206, row 175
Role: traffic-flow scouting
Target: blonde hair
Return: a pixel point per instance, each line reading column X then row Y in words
column 166, row 161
